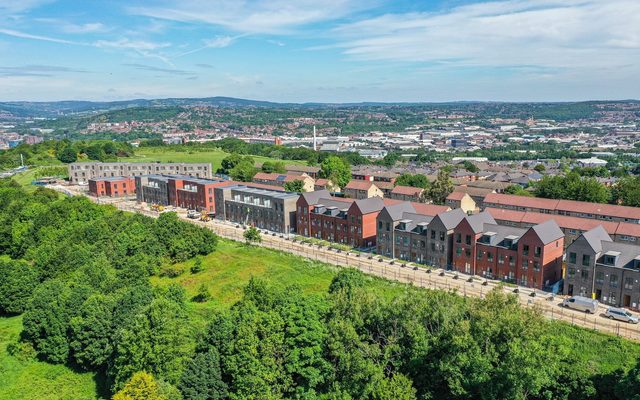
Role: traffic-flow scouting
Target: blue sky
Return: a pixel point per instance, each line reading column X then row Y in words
column 315, row 50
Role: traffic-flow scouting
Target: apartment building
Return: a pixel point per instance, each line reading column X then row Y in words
column 581, row 209
column 417, row 233
column 274, row 210
column 405, row 193
column 152, row 189
column 573, row 227
column 194, row 193
column 118, row 186
column 359, row 190
column 529, row 257
column 608, row 271
column 275, row 179
column 81, row 172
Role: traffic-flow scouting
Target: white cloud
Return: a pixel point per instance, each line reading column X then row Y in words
column 125, row 43
column 91, row 27
column 252, row 16
column 24, row 35
column 535, row 33
column 219, row 42
column 18, row 6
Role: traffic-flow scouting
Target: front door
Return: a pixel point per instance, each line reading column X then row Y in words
column 626, row 300
column 570, row 290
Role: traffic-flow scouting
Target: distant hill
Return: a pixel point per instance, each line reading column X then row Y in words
column 69, row 107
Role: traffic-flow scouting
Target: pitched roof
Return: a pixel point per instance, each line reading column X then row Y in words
column 520, row 201
column 407, row 190
column 595, row 237
column 456, row 196
column 312, row 197
column 477, row 221
column 451, row 219
column 397, row 210
column 548, row 231
column 370, row 205
column 355, row 184
column 429, row 209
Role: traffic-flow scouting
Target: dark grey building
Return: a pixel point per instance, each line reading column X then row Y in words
column 266, row 209
column 409, row 235
column 607, row 270
column 152, row 189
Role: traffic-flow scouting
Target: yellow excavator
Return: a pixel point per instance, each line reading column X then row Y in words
column 157, row 207
column 205, row 218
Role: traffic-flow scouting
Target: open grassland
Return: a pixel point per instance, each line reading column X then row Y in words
column 30, row 379
column 168, row 154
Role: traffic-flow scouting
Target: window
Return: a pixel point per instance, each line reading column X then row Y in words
column 536, row 266
column 458, row 238
column 525, row 250
column 572, row 258
column 479, row 254
column 433, row 246
column 586, row 259
column 433, row 234
column 489, row 256
column 500, row 259
column 613, row 281
column 584, row 273
column 380, row 225
column 571, row 272
column 628, row 283
column 512, row 261
column 599, row 277
column 537, row 251
column 467, row 239
column 442, row 236
column 525, row 265
column 388, row 227
column 458, row 251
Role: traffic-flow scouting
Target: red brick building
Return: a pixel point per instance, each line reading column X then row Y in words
column 529, row 257
column 194, row 193
column 118, row 186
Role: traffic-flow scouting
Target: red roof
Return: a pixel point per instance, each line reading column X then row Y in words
column 356, row 184
column 407, row 190
column 456, row 196
column 520, row 201
column 565, row 222
column 429, row 209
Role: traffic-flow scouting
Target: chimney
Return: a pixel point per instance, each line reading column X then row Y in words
column 315, row 140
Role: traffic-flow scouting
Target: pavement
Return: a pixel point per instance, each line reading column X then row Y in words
column 462, row 284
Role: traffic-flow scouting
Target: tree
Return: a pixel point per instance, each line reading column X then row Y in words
column 397, row 387
column 18, row 279
column 202, row 378
column 252, row 235
column 243, row 171
column 417, row 180
column 203, row 294
column 229, row 162
column 92, row 332
column 141, row 386
column 440, row 188
column 517, row 190
column 68, row 155
column 273, row 166
column 197, row 266
column 627, row 191
column 335, row 169
column 294, row 186
column 540, row 168
column 471, row 167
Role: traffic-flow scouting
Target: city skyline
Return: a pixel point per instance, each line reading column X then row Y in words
column 337, row 51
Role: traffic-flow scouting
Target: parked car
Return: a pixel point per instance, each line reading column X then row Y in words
column 621, row 315
column 193, row 214
column 581, row 304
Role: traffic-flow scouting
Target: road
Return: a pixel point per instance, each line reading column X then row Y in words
column 462, row 284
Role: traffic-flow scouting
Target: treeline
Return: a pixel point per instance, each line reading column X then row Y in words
column 64, row 151
column 573, row 186
column 79, row 273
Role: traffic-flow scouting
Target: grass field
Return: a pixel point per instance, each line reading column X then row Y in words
column 214, row 156
column 35, row 379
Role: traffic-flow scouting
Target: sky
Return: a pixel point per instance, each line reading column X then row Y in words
column 320, row 50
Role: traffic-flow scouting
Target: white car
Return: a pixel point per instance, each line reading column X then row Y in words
column 621, row 315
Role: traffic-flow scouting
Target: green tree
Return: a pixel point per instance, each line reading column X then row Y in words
column 471, row 167
column 203, row 294
column 294, row 186
column 252, row 235
column 68, row 155
column 417, row 180
column 92, row 332
column 202, row 378
column 336, row 169
column 243, row 171
column 517, row 190
column 18, row 279
column 540, row 168
column 197, row 266
column 273, row 166
column 627, row 191
column 440, row 188
column 397, row 387
column 141, row 386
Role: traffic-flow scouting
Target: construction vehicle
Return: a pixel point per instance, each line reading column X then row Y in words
column 157, row 207
column 205, row 218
